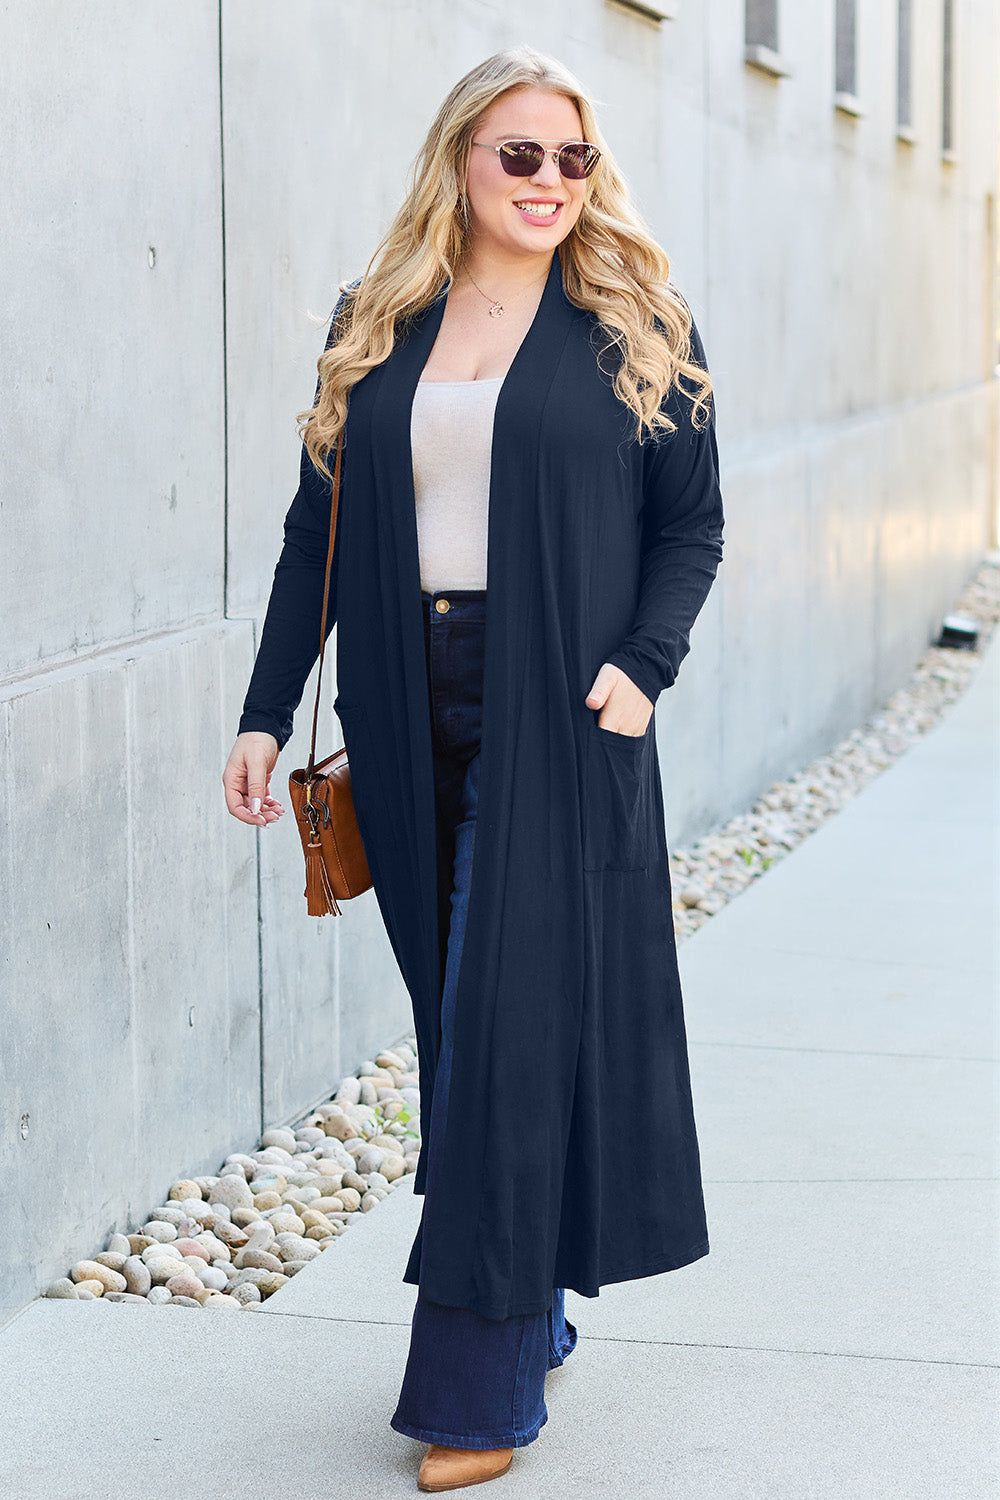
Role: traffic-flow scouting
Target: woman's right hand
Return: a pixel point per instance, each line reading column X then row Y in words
column 247, row 779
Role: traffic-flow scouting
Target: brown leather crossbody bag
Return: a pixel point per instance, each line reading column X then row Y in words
column 336, row 863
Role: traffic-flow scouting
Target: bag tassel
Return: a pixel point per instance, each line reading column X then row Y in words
column 320, row 900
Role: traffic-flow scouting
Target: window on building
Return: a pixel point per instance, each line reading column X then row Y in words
column 947, row 80
column 760, row 27
column 846, row 67
column 845, row 89
column 762, row 24
column 904, row 70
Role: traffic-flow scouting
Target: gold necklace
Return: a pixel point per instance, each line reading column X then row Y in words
column 496, row 308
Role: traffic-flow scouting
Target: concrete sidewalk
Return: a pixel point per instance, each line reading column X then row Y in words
column 839, row 1341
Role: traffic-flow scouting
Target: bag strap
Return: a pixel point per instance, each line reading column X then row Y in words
column 335, row 498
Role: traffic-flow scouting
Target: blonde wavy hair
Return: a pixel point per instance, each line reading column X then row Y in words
column 611, row 265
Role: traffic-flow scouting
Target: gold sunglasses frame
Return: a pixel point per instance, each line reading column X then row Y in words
column 547, row 150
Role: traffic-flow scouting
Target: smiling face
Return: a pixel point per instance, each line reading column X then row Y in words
column 516, row 216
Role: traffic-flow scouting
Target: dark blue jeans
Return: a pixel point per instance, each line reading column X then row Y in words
column 470, row 1381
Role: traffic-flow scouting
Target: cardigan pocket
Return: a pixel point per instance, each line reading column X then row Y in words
column 616, row 830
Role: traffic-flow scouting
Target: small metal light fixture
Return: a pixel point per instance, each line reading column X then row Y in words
column 958, row 632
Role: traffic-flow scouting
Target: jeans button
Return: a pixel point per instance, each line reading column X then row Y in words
column 442, row 606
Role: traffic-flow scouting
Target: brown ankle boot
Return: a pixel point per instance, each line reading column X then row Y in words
column 451, row 1468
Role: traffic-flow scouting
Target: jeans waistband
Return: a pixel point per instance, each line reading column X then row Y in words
column 464, row 603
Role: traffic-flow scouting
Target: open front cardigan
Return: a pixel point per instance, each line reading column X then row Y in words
column 569, row 1005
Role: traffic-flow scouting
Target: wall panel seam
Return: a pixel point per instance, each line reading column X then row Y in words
column 110, row 654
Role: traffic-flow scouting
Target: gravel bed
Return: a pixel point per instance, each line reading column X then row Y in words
column 233, row 1239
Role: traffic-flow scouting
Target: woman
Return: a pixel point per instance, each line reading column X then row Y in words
column 507, row 377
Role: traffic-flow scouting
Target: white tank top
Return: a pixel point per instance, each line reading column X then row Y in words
column 451, row 433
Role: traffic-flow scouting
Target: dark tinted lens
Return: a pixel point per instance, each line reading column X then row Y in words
column 521, row 158
column 578, row 160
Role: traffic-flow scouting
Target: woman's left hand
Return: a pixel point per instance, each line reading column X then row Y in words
column 627, row 710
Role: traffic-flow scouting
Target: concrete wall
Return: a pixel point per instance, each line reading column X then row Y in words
column 181, row 191
column 162, row 992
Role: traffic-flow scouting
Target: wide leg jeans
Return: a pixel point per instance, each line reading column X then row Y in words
column 470, row 1381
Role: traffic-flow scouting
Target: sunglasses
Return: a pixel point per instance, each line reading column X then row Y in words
column 524, row 158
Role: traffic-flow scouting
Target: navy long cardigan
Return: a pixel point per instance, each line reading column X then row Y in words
column 599, row 549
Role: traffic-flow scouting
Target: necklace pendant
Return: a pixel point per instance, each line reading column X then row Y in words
column 496, row 311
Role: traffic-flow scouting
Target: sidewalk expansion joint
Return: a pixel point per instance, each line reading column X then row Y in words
column 895, row 1359
column 591, row 1338
column 844, row 1051
column 794, row 1181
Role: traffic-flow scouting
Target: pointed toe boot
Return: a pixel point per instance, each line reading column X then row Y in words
column 452, row 1468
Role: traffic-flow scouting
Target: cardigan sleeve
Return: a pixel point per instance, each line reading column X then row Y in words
column 289, row 641
column 682, row 526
